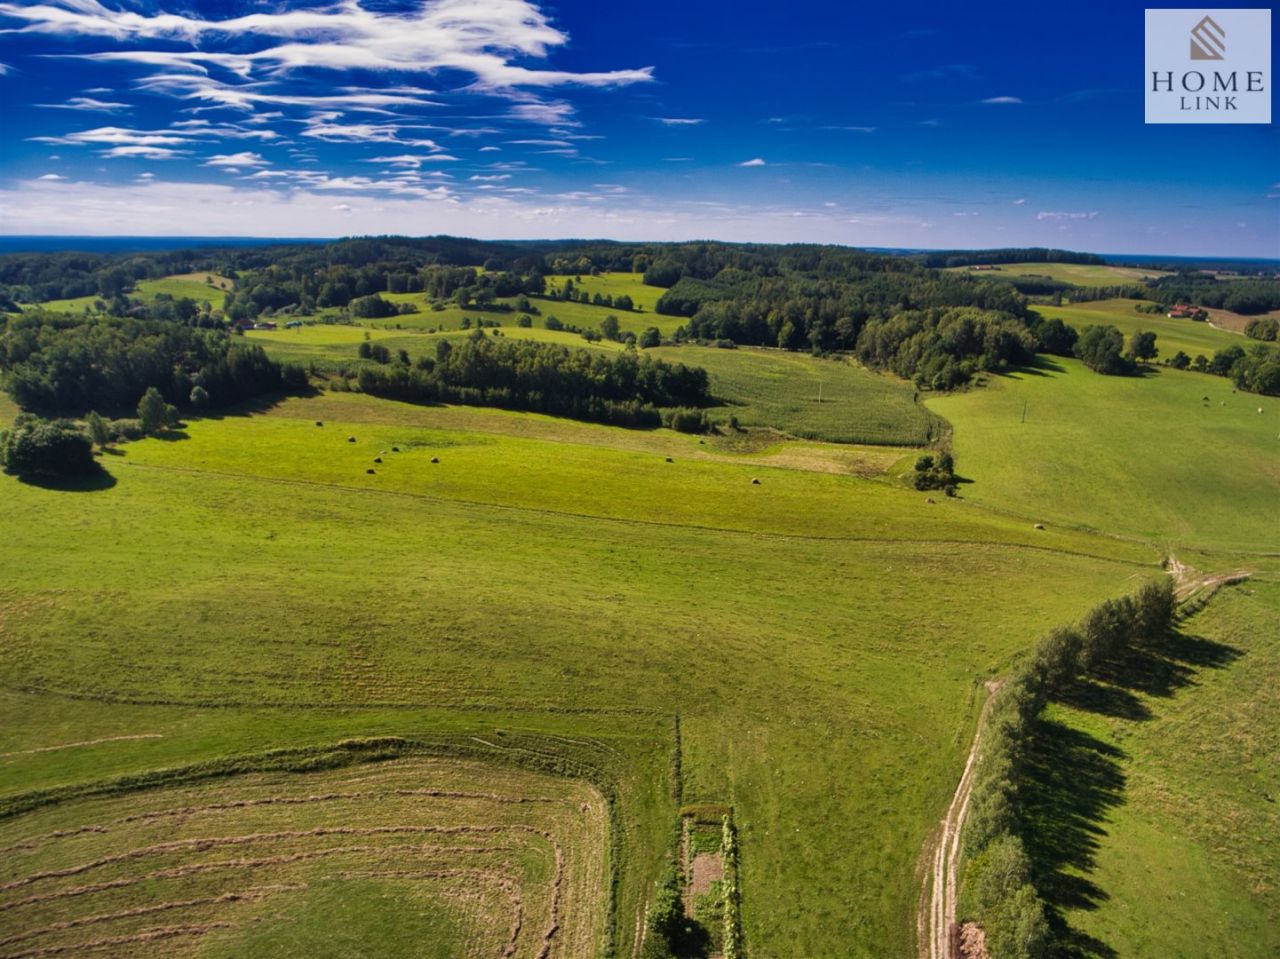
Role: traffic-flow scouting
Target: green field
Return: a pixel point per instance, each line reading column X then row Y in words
column 781, row 390
column 1142, row 456
column 263, row 590
column 194, row 286
column 1192, row 337
column 1182, row 752
column 1080, row 274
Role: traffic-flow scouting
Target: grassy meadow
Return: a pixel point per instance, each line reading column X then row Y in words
column 1081, row 274
column 1147, row 456
column 265, row 591
column 195, row 286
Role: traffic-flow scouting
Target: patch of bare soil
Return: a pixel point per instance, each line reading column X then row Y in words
column 973, row 942
column 707, row 867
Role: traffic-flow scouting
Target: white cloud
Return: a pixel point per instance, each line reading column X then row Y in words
column 143, row 152
column 1053, row 215
column 1020, row 201
column 5, row 69
column 482, row 39
column 852, row 129
column 118, row 136
column 678, row 121
column 236, row 160
column 87, row 103
column 756, row 161
column 51, row 176
column 1003, row 100
column 494, row 178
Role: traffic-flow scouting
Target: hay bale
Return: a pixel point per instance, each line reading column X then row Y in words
column 754, row 481
column 371, row 472
column 395, row 449
column 670, row 460
column 435, row 459
column 319, row 422
column 351, row 439
column 377, row 459
column 930, row 499
column 1039, row 526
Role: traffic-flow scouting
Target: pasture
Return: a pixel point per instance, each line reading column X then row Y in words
column 1191, row 336
column 1079, row 274
column 1175, row 458
column 195, row 286
column 539, row 591
column 1175, row 778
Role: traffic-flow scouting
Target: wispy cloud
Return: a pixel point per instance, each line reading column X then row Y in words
column 755, row 161
column 1092, row 215
column 87, row 103
column 852, row 129
column 1020, row 201
column 678, row 121
column 947, row 71
column 1002, row 101
column 51, row 177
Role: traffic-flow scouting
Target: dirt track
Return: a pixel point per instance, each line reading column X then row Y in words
column 938, row 895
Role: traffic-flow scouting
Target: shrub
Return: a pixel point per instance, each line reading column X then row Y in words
column 48, row 448
column 99, row 429
column 199, row 398
column 684, row 419
column 650, row 338
column 1101, row 348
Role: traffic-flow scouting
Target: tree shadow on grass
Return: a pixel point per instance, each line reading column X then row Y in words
column 89, row 483
column 1042, row 365
column 1073, row 779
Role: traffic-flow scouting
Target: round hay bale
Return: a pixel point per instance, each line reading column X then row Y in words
column 377, row 459
column 754, row 481
column 435, row 459
column 351, row 439
column 371, row 472
column 930, row 499
column 319, row 422
column 395, row 449
column 670, row 460
column 1039, row 526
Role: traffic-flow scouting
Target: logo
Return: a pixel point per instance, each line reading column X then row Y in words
column 1226, row 78
column 1208, row 40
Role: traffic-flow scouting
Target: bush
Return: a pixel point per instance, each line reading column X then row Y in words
column 650, row 338
column 1263, row 328
column 1101, row 348
column 47, row 448
column 686, row 420
column 153, row 413
column 199, row 398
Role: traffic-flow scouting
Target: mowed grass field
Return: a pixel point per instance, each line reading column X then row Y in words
column 1186, row 855
column 1145, row 456
column 195, row 286
column 1081, row 274
column 822, row 637
column 460, row 859
column 1192, row 337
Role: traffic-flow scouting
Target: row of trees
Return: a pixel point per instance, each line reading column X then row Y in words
column 1103, row 350
column 62, row 364
column 1247, row 296
column 623, row 389
column 998, row 887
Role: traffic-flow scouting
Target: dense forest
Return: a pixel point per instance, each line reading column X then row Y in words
column 1250, row 296
column 65, row 364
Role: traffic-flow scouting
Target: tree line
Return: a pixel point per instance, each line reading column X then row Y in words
column 998, row 884
column 622, row 389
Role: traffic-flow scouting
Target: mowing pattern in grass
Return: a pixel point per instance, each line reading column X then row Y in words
column 781, row 390
column 1160, row 788
column 1172, row 457
column 463, row 858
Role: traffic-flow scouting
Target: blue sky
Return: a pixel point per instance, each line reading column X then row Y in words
column 906, row 124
